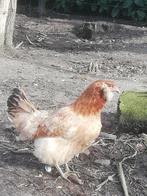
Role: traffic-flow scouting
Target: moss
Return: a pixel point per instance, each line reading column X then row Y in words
column 133, row 110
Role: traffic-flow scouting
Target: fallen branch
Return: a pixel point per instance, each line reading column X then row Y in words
column 122, row 179
column 20, row 151
column 144, row 137
column 29, row 40
column 16, row 47
column 43, row 34
column 104, row 135
column 110, row 178
column 121, row 173
column 14, row 149
column 104, row 162
column 108, row 136
column 4, row 141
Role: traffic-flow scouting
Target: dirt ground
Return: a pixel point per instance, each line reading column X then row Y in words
column 53, row 66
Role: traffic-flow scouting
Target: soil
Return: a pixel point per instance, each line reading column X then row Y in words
column 52, row 65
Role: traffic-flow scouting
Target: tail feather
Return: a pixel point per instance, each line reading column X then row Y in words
column 23, row 114
column 18, row 102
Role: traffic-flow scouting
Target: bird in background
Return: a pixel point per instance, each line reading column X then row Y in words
column 68, row 131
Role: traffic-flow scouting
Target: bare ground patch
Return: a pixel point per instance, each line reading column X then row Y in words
column 52, row 66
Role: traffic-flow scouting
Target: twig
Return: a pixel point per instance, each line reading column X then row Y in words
column 131, row 156
column 4, row 141
column 102, row 143
column 110, row 178
column 121, row 172
column 14, row 149
column 7, row 146
column 122, row 179
column 29, row 40
column 43, row 34
column 104, row 162
column 64, row 192
column 18, row 45
column 23, row 150
column 129, row 140
column 144, row 137
column 105, row 136
column 108, row 136
column 52, row 106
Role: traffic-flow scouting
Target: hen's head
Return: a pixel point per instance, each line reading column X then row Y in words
column 106, row 88
column 93, row 99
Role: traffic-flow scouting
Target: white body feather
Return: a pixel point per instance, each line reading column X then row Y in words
column 80, row 132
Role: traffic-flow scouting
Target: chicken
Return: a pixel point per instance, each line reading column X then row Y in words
column 66, row 133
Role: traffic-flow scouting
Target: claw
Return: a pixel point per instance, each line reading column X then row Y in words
column 71, row 171
column 69, row 175
column 64, row 177
column 72, row 176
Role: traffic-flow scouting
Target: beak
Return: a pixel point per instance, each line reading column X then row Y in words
column 116, row 89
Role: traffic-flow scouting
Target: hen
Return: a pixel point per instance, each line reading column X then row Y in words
column 66, row 133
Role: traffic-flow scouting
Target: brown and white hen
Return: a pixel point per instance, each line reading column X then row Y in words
column 66, row 133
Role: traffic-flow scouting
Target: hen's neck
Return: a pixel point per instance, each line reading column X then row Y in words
column 90, row 102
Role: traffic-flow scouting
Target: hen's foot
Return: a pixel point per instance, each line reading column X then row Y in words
column 73, row 177
column 69, row 176
column 68, row 170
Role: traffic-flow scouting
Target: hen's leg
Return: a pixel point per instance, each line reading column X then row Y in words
column 67, row 168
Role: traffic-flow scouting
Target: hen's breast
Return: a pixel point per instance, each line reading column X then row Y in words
column 78, row 134
column 87, row 132
column 52, row 151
